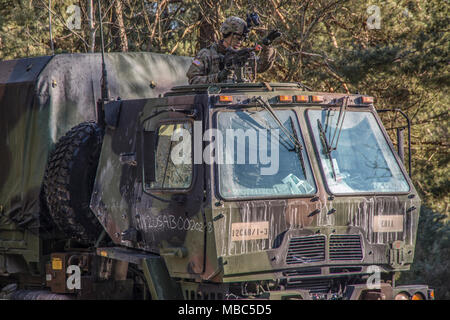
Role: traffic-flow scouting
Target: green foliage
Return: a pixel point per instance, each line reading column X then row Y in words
column 432, row 257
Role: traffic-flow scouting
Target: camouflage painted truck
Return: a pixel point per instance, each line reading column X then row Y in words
column 228, row 191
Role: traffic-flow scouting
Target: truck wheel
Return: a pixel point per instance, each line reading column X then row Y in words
column 69, row 179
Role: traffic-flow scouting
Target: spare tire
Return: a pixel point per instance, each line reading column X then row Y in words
column 69, row 179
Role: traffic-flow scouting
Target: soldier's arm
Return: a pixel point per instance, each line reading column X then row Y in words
column 198, row 72
column 266, row 58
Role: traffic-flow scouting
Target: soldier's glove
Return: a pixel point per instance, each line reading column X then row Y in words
column 223, row 75
column 270, row 37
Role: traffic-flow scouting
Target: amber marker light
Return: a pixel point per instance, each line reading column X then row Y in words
column 226, row 98
column 56, row 264
column 285, row 98
column 301, row 98
column 417, row 296
column 367, row 99
column 316, row 98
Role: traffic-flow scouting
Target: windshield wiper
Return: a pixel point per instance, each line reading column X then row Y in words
column 294, row 138
column 299, row 151
column 339, row 123
column 268, row 107
column 326, row 146
column 264, row 124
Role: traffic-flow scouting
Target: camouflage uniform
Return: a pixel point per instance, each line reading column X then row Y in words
column 208, row 63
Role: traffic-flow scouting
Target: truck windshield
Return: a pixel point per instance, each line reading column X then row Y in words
column 259, row 158
column 362, row 161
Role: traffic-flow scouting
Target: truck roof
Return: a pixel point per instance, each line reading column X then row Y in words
column 290, row 89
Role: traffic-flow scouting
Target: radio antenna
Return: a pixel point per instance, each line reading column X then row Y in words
column 105, row 93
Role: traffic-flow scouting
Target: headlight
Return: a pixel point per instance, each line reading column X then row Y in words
column 402, row 296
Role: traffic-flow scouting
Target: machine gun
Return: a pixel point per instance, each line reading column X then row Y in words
column 243, row 62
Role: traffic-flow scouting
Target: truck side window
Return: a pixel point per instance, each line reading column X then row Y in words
column 173, row 157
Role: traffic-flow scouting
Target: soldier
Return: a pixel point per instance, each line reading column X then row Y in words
column 207, row 67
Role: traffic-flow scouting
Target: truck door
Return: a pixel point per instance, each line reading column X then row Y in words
column 171, row 216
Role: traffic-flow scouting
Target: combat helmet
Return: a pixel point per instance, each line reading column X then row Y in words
column 234, row 25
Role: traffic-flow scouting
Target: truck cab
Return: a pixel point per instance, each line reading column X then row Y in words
column 257, row 190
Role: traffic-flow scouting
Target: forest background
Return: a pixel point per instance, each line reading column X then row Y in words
column 396, row 51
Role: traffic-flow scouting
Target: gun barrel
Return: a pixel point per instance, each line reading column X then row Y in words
column 274, row 34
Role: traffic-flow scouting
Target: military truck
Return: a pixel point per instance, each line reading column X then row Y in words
column 200, row 192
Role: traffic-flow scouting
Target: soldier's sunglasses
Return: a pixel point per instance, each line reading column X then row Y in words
column 238, row 36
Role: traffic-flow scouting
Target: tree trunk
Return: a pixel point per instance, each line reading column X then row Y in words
column 206, row 34
column 120, row 27
column 90, row 10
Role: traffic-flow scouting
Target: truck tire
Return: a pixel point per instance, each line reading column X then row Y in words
column 69, row 179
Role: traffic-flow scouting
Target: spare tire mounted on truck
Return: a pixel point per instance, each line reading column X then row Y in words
column 69, row 179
